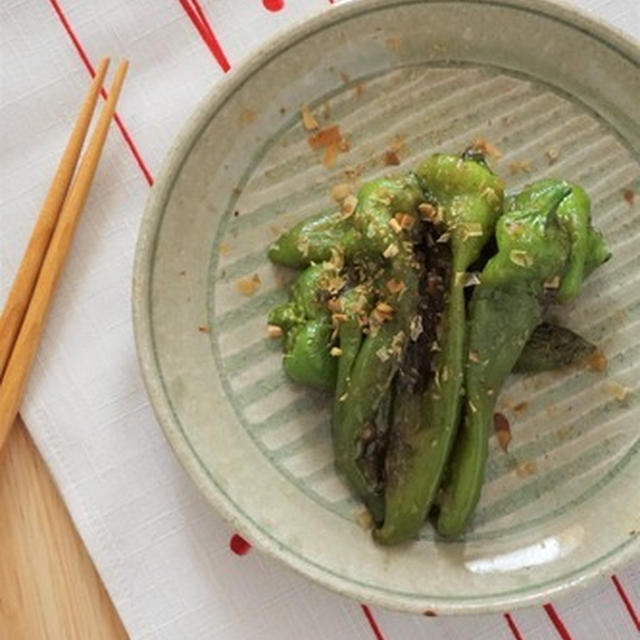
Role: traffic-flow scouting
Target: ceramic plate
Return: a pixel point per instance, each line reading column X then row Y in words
column 557, row 95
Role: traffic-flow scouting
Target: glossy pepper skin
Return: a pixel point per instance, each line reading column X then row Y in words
column 588, row 249
column 469, row 199
column 545, row 236
column 315, row 240
column 307, row 326
column 364, row 378
column 355, row 304
column 535, row 247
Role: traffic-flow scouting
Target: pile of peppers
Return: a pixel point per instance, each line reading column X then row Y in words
column 416, row 301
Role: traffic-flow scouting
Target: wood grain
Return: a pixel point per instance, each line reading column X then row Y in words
column 49, row 587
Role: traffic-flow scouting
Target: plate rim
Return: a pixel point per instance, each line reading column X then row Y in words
column 145, row 248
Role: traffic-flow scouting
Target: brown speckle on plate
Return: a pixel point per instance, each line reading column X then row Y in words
column 597, row 362
column 390, row 159
column 394, row 43
column 248, row 286
column 247, row 116
column 502, row 430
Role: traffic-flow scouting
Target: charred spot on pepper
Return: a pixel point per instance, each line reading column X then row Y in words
column 415, row 373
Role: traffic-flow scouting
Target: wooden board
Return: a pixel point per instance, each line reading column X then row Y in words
column 49, row 587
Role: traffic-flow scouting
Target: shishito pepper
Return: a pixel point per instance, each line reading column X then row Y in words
column 365, row 378
column 372, row 321
column 356, row 304
column 307, row 326
column 468, row 200
column 316, row 239
column 538, row 244
column 588, row 249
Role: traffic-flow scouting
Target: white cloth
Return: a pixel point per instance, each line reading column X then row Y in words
column 162, row 552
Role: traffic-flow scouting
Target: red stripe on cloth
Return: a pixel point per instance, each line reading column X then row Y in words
column 203, row 17
column 626, row 601
column 199, row 19
column 557, row 622
column 513, row 627
column 87, row 63
column 372, row 622
column 134, row 150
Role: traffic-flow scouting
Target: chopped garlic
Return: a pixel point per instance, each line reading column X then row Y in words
column 274, row 331
column 429, row 212
column 618, row 391
column 416, row 328
column 397, row 343
column 521, row 258
column 395, row 225
column 471, row 279
column 526, row 468
column 303, row 246
column 384, row 308
column 407, row 221
column 472, row 230
column 340, row 191
column 395, row 286
column 349, row 205
column 552, row 155
column 552, row 283
column 308, row 119
column 363, row 518
column 391, row 251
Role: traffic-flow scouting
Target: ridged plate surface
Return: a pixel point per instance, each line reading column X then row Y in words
column 259, row 445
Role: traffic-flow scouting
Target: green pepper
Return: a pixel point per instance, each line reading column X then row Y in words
column 355, row 305
column 533, row 249
column 469, row 200
column 588, row 249
column 315, row 240
column 308, row 361
column 368, row 363
column 378, row 202
column 308, row 328
column 546, row 247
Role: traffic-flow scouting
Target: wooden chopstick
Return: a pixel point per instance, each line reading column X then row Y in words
column 25, row 280
column 24, row 350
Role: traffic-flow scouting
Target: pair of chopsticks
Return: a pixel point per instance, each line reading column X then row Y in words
column 22, row 320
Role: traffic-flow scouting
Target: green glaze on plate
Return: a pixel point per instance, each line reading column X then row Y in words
column 557, row 94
